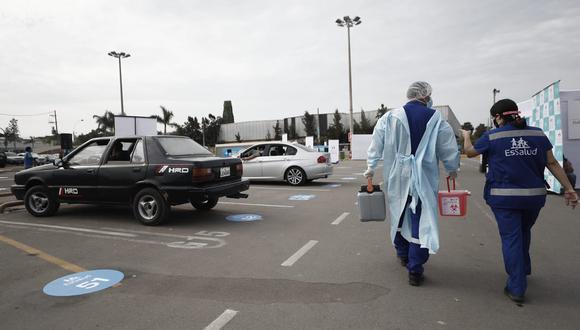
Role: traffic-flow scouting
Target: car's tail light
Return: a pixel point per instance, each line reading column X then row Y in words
column 321, row 160
column 240, row 169
column 201, row 174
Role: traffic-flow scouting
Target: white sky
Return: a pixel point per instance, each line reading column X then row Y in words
column 275, row 59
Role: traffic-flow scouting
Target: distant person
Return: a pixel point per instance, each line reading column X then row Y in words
column 569, row 172
column 515, row 188
column 28, row 159
column 411, row 141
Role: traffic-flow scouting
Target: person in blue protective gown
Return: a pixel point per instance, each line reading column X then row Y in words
column 411, row 141
column 515, row 188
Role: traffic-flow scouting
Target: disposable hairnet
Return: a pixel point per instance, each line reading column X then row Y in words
column 419, row 90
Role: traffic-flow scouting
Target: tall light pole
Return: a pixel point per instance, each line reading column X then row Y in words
column 348, row 22
column 119, row 56
column 495, row 92
column 75, row 126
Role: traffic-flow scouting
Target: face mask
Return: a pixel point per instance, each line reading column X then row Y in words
column 430, row 103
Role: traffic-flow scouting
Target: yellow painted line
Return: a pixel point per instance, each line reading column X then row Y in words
column 42, row 255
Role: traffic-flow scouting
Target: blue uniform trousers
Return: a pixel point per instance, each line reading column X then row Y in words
column 412, row 250
column 515, row 230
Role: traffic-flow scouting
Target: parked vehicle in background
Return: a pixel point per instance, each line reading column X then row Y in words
column 38, row 159
column 14, row 159
column 149, row 173
column 2, row 159
column 289, row 162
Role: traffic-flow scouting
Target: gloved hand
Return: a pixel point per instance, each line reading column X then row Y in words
column 453, row 175
column 369, row 173
column 571, row 198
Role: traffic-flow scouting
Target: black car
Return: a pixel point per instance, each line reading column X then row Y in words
column 150, row 173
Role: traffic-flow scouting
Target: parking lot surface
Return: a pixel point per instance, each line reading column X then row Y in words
column 285, row 258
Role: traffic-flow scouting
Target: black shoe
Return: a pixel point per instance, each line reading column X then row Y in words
column 416, row 279
column 514, row 298
column 403, row 260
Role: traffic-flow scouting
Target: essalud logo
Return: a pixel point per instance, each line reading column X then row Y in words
column 520, row 148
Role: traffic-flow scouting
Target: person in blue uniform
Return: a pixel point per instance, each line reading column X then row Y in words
column 411, row 141
column 515, row 188
column 28, row 159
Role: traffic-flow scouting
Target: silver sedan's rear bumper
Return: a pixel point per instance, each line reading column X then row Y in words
column 318, row 171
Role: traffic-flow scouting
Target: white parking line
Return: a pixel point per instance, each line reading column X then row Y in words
column 222, row 320
column 82, row 230
column 2, row 189
column 291, row 189
column 340, row 218
column 263, row 205
column 484, row 211
column 290, row 261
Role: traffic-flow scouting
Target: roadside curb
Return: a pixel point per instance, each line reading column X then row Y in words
column 10, row 204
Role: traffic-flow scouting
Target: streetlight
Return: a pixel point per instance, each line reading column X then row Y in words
column 495, row 91
column 348, row 22
column 120, row 56
column 75, row 126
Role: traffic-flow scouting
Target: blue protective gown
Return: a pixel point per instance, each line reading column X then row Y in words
column 416, row 175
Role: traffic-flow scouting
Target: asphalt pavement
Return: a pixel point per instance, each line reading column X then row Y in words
column 305, row 262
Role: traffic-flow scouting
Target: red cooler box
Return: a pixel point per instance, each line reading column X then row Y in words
column 453, row 203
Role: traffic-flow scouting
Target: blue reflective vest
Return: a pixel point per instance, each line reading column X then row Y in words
column 517, row 160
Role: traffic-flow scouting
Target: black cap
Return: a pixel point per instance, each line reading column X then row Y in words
column 502, row 106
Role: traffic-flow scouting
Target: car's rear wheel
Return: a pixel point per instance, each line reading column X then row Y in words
column 206, row 205
column 295, row 176
column 149, row 207
column 39, row 202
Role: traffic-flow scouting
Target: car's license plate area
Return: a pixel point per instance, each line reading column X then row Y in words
column 224, row 172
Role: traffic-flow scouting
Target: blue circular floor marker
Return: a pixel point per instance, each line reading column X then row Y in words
column 82, row 283
column 301, row 197
column 244, row 217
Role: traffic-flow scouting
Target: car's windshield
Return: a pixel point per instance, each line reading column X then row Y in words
column 175, row 146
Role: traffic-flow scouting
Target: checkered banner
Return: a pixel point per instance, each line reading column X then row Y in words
column 546, row 115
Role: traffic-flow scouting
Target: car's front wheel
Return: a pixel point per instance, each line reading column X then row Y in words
column 149, row 207
column 39, row 202
column 206, row 205
column 295, row 176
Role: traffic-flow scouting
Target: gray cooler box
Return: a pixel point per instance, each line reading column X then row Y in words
column 371, row 206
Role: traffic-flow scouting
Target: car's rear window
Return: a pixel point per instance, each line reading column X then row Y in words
column 182, row 147
column 305, row 148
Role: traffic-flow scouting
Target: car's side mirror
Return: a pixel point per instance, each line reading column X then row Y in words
column 59, row 162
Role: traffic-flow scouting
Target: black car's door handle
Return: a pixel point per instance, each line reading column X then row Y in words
column 136, row 169
column 91, row 171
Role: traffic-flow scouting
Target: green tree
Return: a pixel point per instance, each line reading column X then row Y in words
column 467, row 126
column 211, row 127
column 479, row 130
column 309, row 124
column 165, row 119
column 365, row 124
column 277, row 131
column 105, row 123
column 82, row 138
column 190, row 128
column 228, row 114
column 13, row 130
column 336, row 129
column 381, row 111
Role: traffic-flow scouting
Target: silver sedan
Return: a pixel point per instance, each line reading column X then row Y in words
column 279, row 161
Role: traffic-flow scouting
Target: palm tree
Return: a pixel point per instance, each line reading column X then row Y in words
column 106, row 122
column 166, row 119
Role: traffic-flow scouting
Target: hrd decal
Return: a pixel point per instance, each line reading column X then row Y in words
column 161, row 170
column 67, row 191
